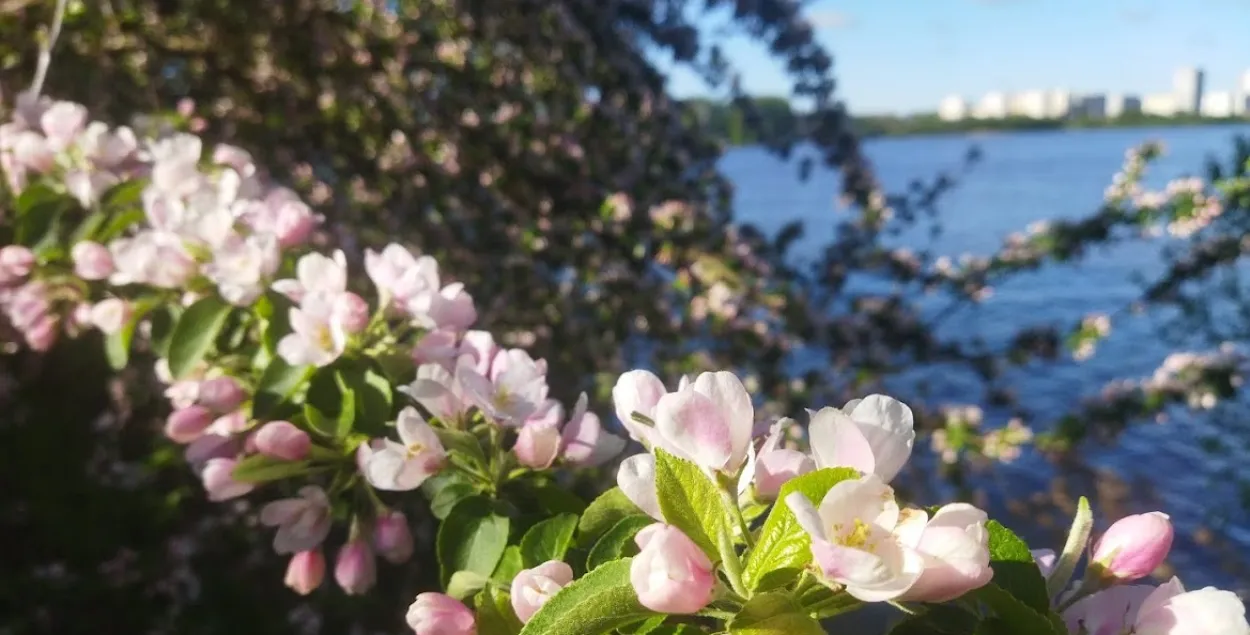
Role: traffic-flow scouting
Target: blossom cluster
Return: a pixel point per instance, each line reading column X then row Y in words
column 326, row 398
column 962, row 432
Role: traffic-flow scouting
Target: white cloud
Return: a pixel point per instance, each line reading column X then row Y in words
column 831, row 19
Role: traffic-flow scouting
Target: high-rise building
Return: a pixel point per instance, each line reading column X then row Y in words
column 1119, row 105
column 1219, row 104
column 1159, row 105
column 1030, row 103
column 952, row 108
column 1059, row 104
column 1091, row 106
column 1187, row 85
column 991, row 106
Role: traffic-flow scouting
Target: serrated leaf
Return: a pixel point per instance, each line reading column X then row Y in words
column 463, row 442
column 472, row 538
column 1024, row 619
column 782, row 543
column 602, row 514
column 763, row 607
column 548, row 540
column 553, row 499
column 617, row 542
column 788, row 624
column 1014, row 568
column 691, row 502
column 595, row 604
column 195, row 332
column 446, row 498
column 277, row 386
column 259, row 468
column 494, row 613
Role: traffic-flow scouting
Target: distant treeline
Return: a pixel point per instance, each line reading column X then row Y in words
column 751, row 121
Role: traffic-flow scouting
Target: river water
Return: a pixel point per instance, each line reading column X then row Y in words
column 1194, row 467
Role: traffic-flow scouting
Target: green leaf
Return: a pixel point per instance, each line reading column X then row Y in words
column 691, row 502
column 788, row 624
column 471, row 539
column 782, row 543
column 117, row 345
column 319, row 423
column 446, row 498
column 39, row 209
column 645, row 627
column 553, row 499
column 548, row 540
column 275, row 312
column 259, row 468
column 463, row 442
column 277, row 385
column 1014, row 568
column 1024, row 619
column 602, row 514
column 194, row 334
column 763, row 607
column 495, row 615
column 509, row 565
column 940, row 619
column 466, row 583
column 347, row 408
column 595, row 604
column 163, row 320
column 119, row 224
column 618, row 542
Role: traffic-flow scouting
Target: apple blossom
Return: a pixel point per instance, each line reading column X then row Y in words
column 355, row 569
column 538, row 444
column 449, row 308
column 401, row 277
column 637, row 391
column 955, row 547
column 151, row 257
column 480, row 349
column 16, row 262
column 775, row 465
column 185, row 425
column 1164, row 610
column 316, row 337
column 303, row 522
column 110, row 315
column 220, row 394
column 315, row 274
column 351, row 311
column 862, row 540
column 584, row 442
column 241, row 266
column 532, row 588
column 710, row 422
column 873, row 435
column 405, row 465
column 1133, row 546
column 671, row 574
column 92, row 261
column 306, row 571
column 41, row 335
column 61, row 123
column 218, row 478
column 636, row 478
column 282, row 440
column 392, row 538
column 437, row 391
column 438, row 614
column 514, row 394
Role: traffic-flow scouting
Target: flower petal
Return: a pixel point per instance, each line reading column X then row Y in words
column 726, row 391
column 636, row 478
column 696, row 427
column 837, row 442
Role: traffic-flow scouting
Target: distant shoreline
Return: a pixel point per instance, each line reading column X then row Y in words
column 870, row 127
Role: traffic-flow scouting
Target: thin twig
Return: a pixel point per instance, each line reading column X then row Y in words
column 45, row 51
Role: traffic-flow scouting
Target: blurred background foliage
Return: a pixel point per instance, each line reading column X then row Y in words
column 488, row 134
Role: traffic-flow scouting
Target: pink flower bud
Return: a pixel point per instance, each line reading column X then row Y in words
column 282, row 440
column 532, row 588
column 671, row 574
column 537, row 445
column 221, row 394
column 352, row 312
column 110, row 315
column 306, row 571
column 28, row 306
column 218, row 479
column 41, row 335
column 1134, row 546
column 16, row 262
column 80, row 316
column 392, row 538
column 438, row 614
column 231, row 422
column 92, row 261
column 355, row 569
column 185, row 425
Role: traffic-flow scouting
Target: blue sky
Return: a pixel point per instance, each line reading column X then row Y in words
column 905, row 55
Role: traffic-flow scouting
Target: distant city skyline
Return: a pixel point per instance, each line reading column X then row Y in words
column 904, row 56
